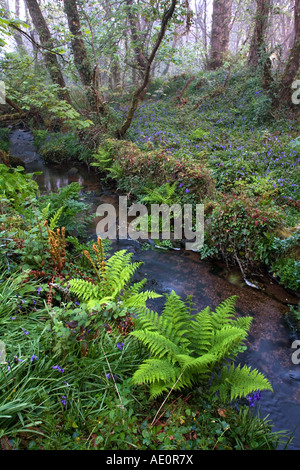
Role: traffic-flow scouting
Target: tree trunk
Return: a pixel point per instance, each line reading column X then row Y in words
column 135, row 35
column 257, row 46
column 293, row 63
column 51, row 61
column 81, row 57
column 141, row 90
column 220, row 33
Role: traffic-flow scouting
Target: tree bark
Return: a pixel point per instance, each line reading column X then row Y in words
column 81, row 57
column 293, row 63
column 221, row 19
column 46, row 40
column 257, row 46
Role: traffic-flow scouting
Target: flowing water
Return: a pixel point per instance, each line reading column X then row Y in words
column 209, row 283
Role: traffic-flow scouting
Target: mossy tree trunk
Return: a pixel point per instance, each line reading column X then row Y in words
column 87, row 72
column 47, row 43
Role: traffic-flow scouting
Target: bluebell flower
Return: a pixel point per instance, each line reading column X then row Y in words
column 63, row 400
column 58, row 368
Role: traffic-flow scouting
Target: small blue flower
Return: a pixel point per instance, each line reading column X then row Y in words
column 58, row 368
column 33, row 358
column 63, row 400
column 25, row 332
column 120, row 346
column 39, row 290
column 16, row 360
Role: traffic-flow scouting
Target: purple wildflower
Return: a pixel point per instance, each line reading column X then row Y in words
column 63, row 400
column 120, row 346
column 16, row 360
column 25, row 332
column 58, row 368
column 33, row 358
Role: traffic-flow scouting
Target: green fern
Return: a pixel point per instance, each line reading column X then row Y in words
column 55, row 218
column 114, row 284
column 188, row 349
column 163, row 195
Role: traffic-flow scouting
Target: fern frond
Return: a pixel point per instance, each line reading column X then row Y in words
column 174, row 313
column 55, row 218
column 158, row 345
column 155, row 370
column 45, row 212
column 201, row 332
column 147, row 319
column 227, row 341
column 237, row 382
column 84, row 290
column 198, row 365
column 139, row 299
column 224, row 313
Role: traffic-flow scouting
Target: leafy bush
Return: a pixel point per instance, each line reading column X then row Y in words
column 16, row 186
column 62, row 148
column 241, row 228
column 75, row 216
column 288, row 272
column 157, row 167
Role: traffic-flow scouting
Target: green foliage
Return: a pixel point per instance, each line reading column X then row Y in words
column 75, row 209
column 188, row 350
column 114, row 277
column 288, row 272
column 4, row 139
column 62, row 148
column 242, row 229
column 16, row 186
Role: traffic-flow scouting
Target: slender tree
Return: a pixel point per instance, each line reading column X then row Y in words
column 47, row 43
column 293, row 63
column 220, row 32
column 146, row 68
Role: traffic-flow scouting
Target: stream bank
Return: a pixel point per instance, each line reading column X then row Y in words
column 208, row 282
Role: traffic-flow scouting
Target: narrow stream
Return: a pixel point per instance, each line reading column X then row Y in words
column 270, row 340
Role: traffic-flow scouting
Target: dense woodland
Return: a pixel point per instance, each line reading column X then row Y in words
column 168, row 102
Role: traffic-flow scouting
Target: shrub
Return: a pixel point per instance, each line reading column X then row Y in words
column 62, row 148
column 241, row 228
column 139, row 168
